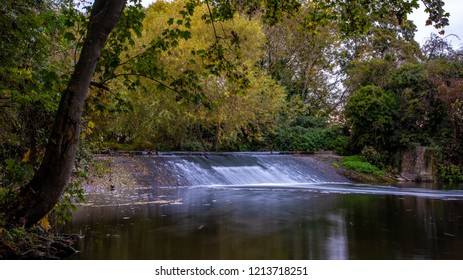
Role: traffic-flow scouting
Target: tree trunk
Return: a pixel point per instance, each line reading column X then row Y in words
column 50, row 180
column 215, row 143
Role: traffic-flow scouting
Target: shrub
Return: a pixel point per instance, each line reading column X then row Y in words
column 450, row 173
column 309, row 139
column 372, row 156
column 356, row 163
column 192, row 146
column 13, row 176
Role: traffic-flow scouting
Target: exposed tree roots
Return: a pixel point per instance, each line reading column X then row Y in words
column 17, row 244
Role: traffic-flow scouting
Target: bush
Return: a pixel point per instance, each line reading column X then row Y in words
column 13, row 176
column 310, row 139
column 298, row 139
column 336, row 141
column 192, row 146
column 356, row 163
column 450, row 173
column 372, row 156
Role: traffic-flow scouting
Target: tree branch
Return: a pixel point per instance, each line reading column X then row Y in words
column 100, row 85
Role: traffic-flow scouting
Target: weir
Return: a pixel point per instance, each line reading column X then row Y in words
column 247, row 169
column 148, row 176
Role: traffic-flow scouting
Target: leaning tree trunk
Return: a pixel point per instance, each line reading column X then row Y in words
column 50, row 180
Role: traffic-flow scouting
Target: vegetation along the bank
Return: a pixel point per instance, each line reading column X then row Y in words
column 219, row 75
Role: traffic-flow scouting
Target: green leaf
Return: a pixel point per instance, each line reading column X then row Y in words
column 161, row 87
column 69, row 36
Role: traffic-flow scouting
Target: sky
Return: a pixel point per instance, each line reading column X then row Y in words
column 454, row 7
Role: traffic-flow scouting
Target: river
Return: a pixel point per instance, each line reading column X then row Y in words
column 264, row 207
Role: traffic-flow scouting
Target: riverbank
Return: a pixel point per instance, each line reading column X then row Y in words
column 335, row 161
column 19, row 244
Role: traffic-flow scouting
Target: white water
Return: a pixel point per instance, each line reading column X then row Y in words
column 280, row 172
column 244, row 170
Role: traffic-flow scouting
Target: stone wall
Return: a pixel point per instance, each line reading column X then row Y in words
column 418, row 164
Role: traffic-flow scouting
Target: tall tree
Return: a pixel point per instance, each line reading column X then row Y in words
column 44, row 190
column 304, row 60
column 161, row 120
column 370, row 111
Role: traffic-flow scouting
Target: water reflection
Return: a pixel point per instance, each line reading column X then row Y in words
column 249, row 222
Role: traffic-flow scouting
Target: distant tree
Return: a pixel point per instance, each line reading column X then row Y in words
column 371, row 113
column 445, row 75
column 438, row 47
column 163, row 119
column 376, row 71
column 419, row 111
column 305, row 61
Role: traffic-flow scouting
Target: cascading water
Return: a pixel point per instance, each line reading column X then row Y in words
column 271, row 171
column 238, row 169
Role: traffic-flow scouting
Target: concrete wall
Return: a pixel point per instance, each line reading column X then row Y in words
column 418, row 164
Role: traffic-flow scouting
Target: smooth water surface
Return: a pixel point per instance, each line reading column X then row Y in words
column 292, row 216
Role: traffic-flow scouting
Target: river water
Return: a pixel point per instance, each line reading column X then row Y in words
column 267, row 207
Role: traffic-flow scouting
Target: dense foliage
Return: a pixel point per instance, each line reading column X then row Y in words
column 35, row 65
column 226, row 112
column 412, row 103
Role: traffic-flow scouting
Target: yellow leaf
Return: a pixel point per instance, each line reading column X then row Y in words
column 90, row 124
column 44, row 223
column 26, row 156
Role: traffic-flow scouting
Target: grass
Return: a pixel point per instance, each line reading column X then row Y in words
column 356, row 163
